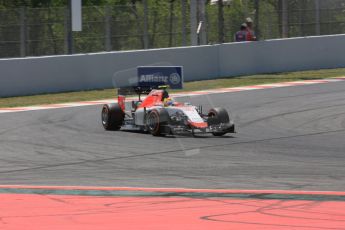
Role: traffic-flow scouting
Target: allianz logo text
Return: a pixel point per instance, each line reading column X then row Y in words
column 174, row 78
column 153, row 78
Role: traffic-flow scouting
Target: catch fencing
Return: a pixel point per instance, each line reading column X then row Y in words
column 159, row 24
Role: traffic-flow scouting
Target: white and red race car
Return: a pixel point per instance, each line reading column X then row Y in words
column 160, row 115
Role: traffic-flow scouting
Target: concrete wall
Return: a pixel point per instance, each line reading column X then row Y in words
column 282, row 55
column 25, row 76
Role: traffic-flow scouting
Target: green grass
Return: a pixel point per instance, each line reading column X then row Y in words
column 188, row 86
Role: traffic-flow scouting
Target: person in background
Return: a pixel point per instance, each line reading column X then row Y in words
column 241, row 36
column 250, row 32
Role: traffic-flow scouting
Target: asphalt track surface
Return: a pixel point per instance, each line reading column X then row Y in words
column 289, row 138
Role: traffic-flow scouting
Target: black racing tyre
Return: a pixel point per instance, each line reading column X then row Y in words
column 217, row 116
column 112, row 116
column 156, row 121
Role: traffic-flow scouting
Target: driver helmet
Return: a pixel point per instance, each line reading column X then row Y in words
column 168, row 101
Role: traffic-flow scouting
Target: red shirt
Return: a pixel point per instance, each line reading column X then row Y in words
column 250, row 35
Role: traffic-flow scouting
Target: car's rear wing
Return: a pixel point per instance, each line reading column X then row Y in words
column 153, row 77
column 149, row 78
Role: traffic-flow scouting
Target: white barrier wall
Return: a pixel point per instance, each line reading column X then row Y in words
column 282, row 55
column 35, row 75
column 25, row 76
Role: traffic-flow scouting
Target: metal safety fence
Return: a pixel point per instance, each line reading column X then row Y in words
column 28, row 31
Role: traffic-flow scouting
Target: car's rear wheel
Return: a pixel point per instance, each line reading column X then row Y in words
column 218, row 116
column 112, row 116
column 157, row 121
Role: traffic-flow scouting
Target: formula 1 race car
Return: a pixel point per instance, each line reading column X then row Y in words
column 160, row 115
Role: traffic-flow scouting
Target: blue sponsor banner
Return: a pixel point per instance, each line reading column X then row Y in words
column 153, row 76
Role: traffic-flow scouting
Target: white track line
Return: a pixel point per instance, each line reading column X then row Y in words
column 183, row 94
